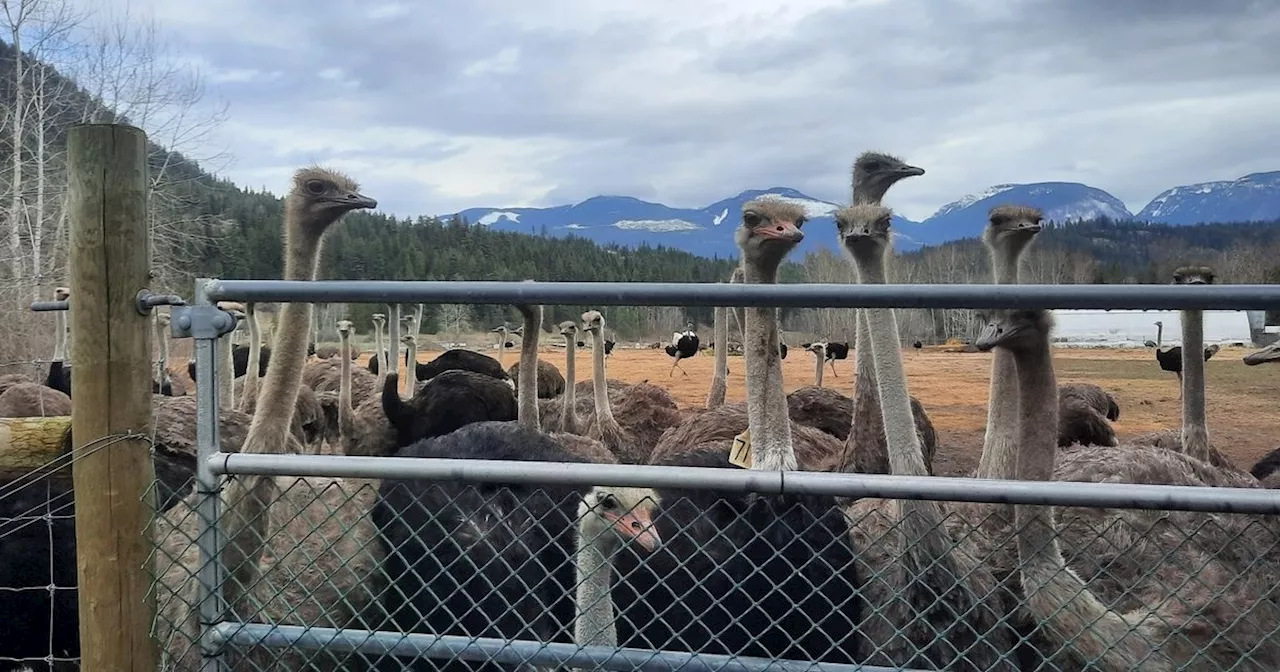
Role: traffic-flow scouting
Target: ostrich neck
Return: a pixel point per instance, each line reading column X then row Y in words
column 393, row 341
column 720, row 341
column 527, row 394
column 250, row 391
column 380, row 352
column 1159, row 334
column 594, row 625
column 411, row 367
column 599, row 389
column 1195, row 437
column 158, row 333
column 865, row 193
column 1057, row 597
column 818, row 367
column 60, row 339
column 999, row 452
column 269, row 430
column 569, row 414
column 767, row 416
column 866, row 396
column 502, row 348
column 227, row 372
column 346, row 415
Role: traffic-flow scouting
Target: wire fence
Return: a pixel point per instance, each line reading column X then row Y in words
column 418, row 562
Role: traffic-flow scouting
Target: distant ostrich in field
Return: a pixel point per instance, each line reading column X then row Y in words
column 1159, row 336
column 1172, row 360
column 939, row 607
column 917, row 345
column 835, row 351
column 504, row 343
column 644, row 411
column 819, row 351
column 684, row 344
column 865, row 448
column 1169, row 620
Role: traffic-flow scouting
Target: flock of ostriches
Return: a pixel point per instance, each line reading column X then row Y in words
column 919, row 584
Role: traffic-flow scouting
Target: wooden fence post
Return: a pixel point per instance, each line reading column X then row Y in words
column 111, row 357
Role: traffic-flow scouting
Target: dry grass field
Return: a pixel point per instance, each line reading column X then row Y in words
column 1243, row 402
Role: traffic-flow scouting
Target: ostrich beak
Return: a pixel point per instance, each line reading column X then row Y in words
column 637, row 526
column 910, row 171
column 783, row 230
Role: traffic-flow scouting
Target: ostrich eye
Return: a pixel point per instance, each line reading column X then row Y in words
column 608, row 501
column 751, row 219
column 315, row 187
column 800, row 221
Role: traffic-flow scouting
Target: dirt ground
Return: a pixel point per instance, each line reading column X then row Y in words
column 1243, row 401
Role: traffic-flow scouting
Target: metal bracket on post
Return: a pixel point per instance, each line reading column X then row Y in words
column 148, row 300
column 50, row 306
column 200, row 322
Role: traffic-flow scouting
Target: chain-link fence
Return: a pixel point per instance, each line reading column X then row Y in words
column 423, row 563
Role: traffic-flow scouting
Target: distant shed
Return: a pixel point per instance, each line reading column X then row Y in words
column 1132, row 328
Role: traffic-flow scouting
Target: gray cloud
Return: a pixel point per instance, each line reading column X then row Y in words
column 462, row 103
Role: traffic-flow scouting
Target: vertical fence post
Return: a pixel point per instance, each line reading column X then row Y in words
column 111, row 357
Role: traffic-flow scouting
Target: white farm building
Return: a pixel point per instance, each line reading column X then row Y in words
column 1132, row 328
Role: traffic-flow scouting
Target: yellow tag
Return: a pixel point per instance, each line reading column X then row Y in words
column 740, row 452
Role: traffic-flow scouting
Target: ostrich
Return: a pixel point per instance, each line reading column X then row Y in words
column 569, row 423
column 782, row 348
column 865, row 448
column 1270, row 462
column 1173, row 625
column 1159, row 336
column 918, row 345
column 835, row 351
column 720, row 344
column 270, row 568
column 377, row 364
column 239, row 358
column 1083, row 412
column 503, row 343
column 684, row 344
column 410, row 340
column 646, row 410
column 551, row 383
column 940, row 607
column 751, row 575
column 166, row 384
column 1010, row 231
column 1173, row 361
column 819, row 351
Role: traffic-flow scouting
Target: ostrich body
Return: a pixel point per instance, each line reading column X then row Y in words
column 1083, row 412
column 1199, row 628
column 1172, row 360
column 834, row 351
column 551, row 383
column 939, row 606
column 865, row 448
column 684, row 344
column 239, row 361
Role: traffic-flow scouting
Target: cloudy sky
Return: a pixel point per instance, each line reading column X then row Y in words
column 439, row 105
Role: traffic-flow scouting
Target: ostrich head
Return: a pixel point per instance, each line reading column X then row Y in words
column 1013, row 225
column 1271, row 353
column 864, row 232
column 344, row 328
column 770, row 229
column 626, row 512
column 163, row 319
column 379, row 320
column 1013, row 329
column 875, row 172
column 407, row 339
column 499, row 329
column 61, row 293
column 592, row 321
column 234, row 307
column 1158, row 323
column 320, row 196
column 1193, row 275
column 568, row 328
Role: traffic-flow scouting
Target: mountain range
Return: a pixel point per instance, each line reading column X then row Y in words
column 708, row 231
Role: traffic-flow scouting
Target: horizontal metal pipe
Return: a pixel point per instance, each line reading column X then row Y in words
column 1153, row 297
column 50, row 306
column 1052, row 493
column 508, row 652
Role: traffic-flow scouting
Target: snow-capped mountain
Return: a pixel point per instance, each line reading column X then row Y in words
column 708, row 231
column 1254, row 197
column 622, row 220
column 1061, row 202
